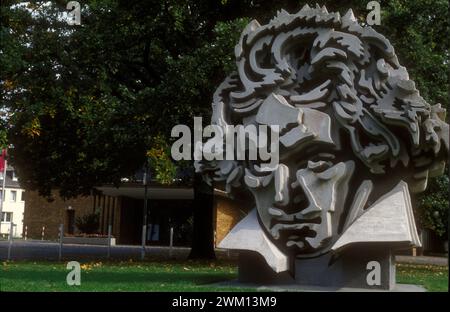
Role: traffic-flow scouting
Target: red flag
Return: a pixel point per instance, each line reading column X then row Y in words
column 2, row 160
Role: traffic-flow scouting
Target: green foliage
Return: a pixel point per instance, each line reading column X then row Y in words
column 419, row 31
column 433, row 206
column 89, row 223
column 3, row 134
column 86, row 101
column 160, row 161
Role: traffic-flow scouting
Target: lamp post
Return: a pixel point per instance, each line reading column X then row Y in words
column 145, row 212
column 5, row 164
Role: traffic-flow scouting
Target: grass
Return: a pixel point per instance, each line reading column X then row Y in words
column 168, row 276
column 432, row 277
column 117, row 276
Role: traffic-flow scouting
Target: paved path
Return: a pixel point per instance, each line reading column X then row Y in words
column 422, row 260
column 46, row 250
column 303, row 288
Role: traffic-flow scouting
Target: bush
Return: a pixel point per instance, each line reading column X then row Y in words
column 433, row 206
column 88, row 223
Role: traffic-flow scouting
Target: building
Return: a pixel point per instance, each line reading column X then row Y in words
column 122, row 209
column 13, row 204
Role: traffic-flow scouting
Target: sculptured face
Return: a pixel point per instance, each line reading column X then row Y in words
column 300, row 202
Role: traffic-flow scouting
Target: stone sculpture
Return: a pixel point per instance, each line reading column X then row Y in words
column 354, row 134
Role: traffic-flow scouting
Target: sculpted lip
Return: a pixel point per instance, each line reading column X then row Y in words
column 279, row 227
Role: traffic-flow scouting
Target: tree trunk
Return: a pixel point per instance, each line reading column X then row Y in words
column 203, row 229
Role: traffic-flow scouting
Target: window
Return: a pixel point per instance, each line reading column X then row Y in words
column 22, row 196
column 14, row 177
column 6, row 216
column 13, row 196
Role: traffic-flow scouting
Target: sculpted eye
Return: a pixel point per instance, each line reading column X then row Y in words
column 320, row 162
column 319, row 166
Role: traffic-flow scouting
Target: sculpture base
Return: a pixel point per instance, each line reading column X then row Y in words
column 303, row 288
column 254, row 269
column 352, row 268
column 348, row 270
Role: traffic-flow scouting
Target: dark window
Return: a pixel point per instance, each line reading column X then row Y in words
column 70, row 215
column 13, row 196
column 6, row 216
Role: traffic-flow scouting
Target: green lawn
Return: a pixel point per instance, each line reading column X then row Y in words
column 154, row 276
column 433, row 278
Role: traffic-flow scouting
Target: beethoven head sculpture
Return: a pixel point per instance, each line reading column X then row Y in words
column 351, row 124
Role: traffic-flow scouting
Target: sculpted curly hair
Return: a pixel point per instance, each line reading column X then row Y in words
column 320, row 60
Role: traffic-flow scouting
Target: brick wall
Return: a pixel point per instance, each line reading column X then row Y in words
column 39, row 212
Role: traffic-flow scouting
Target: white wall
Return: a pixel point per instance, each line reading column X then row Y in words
column 16, row 208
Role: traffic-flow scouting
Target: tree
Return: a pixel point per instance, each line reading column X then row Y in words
column 433, row 207
column 203, row 229
column 86, row 102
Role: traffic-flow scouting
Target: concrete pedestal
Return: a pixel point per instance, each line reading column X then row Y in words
column 352, row 268
column 254, row 269
column 348, row 270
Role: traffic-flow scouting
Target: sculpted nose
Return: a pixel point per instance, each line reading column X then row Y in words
column 282, row 185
